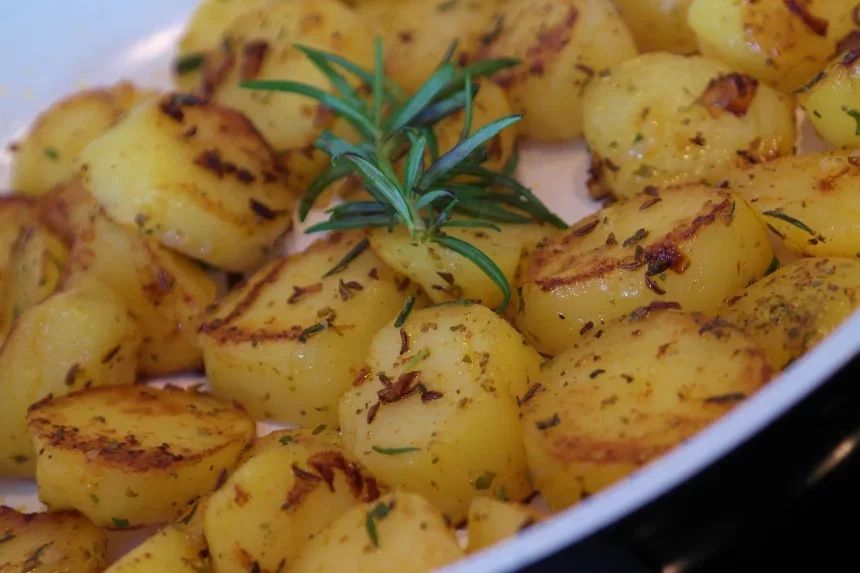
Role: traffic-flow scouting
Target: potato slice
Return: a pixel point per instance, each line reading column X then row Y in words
column 667, row 119
column 166, row 292
column 399, row 533
column 692, row 245
column 126, row 456
column 50, row 542
column 446, row 426
column 831, row 100
column 615, row 401
column 809, row 202
column 285, row 493
column 290, row 341
column 659, row 25
column 66, row 209
column 194, row 174
column 76, row 339
column 795, row 308
column 492, row 521
column 563, row 44
column 46, row 156
column 782, row 43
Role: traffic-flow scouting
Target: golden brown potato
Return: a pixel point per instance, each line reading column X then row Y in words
column 16, row 213
column 290, row 341
column 626, row 394
column 76, row 339
column 46, row 156
column 563, row 45
column 283, row 495
column 66, row 209
column 399, row 533
column 659, row 25
column 194, row 174
column 691, row 245
column 170, row 550
column 166, row 292
column 492, row 521
column 809, row 202
column 435, row 409
column 795, row 308
column 126, row 456
column 831, row 100
column 59, row 542
column 784, row 43
column 667, row 119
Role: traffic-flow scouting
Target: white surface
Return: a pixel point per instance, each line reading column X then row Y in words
column 49, row 48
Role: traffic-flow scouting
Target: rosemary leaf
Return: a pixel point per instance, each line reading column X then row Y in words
column 353, row 254
column 789, row 219
column 331, row 174
column 425, row 94
column 480, row 260
column 404, row 314
column 394, row 451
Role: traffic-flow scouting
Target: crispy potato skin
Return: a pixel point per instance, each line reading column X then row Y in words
column 609, row 405
column 66, row 209
column 659, row 25
column 563, row 45
column 253, row 347
column 126, row 456
column 646, row 123
column 691, row 245
column 75, row 339
column 46, row 156
column 194, row 174
column 49, row 542
column 411, row 537
column 166, row 292
column 769, row 40
column 491, row 521
column 795, row 308
column 810, row 201
column 831, row 98
column 292, row 486
column 472, row 366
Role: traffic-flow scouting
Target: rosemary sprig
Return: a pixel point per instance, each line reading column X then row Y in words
column 397, row 135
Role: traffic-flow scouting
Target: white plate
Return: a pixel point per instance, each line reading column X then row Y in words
column 49, row 48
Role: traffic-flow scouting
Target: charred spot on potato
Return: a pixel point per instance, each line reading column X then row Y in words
column 817, row 25
column 733, row 93
column 215, row 70
column 253, row 54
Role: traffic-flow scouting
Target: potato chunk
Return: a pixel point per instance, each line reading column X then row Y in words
column 810, row 201
column 76, row 339
column 659, row 25
column 492, row 521
column 435, row 411
column 795, row 308
column 46, row 156
column 831, row 100
column 194, row 174
column 63, row 541
column 290, row 341
column 690, row 244
column 668, row 119
column 129, row 455
column 283, row 495
column 166, row 292
column 612, row 403
column 563, row 45
column 399, row 533
column 780, row 42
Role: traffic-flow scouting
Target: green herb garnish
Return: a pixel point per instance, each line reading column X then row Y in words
column 379, row 512
column 188, row 63
column 856, row 116
column 404, row 314
column 394, row 451
column 286, row 440
column 353, row 254
column 789, row 219
column 318, row 430
column 774, row 266
column 51, row 153
column 119, row 522
column 485, row 481
column 394, row 128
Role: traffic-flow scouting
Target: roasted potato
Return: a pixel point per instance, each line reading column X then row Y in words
column 691, row 245
column 66, row 209
column 166, row 292
column 76, row 339
column 281, row 497
column 779, row 42
column 16, row 213
column 626, row 394
column 809, row 202
column 169, row 550
column 290, row 341
column 46, row 155
column 33, row 273
column 126, row 456
column 831, row 100
column 399, row 533
column 795, row 308
column 668, row 119
column 659, row 25
column 492, row 521
column 58, row 542
column 435, row 409
column 194, row 174
column 417, row 34
column 563, row 45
